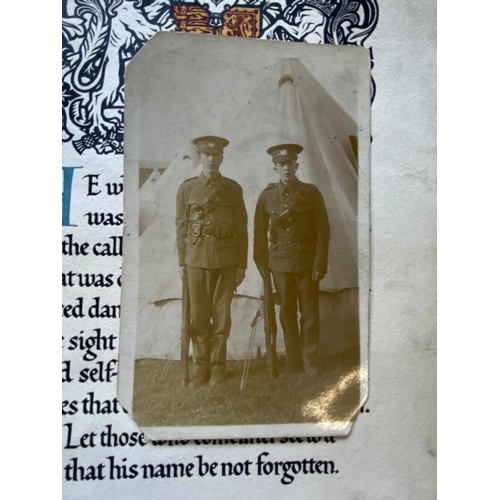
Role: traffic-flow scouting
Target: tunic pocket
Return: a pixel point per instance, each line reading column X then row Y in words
column 229, row 242
column 307, row 246
column 304, row 205
column 191, row 239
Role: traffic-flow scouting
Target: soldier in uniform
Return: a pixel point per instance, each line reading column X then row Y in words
column 212, row 243
column 291, row 241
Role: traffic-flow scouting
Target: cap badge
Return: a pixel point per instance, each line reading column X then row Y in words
column 283, row 152
column 211, row 145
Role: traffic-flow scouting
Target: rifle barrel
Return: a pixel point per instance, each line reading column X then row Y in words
column 270, row 327
column 185, row 331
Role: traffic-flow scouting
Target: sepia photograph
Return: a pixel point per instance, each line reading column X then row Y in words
column 246, row 249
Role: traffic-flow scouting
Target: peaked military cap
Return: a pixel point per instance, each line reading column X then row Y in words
column 210, row 144
column 284, row 152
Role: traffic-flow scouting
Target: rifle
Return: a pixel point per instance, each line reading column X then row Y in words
column 270, row 328
column 246, row 366
column 185, row 331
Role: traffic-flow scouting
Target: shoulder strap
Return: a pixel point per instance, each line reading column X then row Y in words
column 215, row 197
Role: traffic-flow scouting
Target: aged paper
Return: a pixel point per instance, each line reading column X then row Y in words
column 391, row 450
column 274, row 99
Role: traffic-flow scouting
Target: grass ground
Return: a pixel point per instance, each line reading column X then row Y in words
column 332, row 396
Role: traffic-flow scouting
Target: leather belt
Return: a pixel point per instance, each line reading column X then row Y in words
column 290, row 238
column 210, row 230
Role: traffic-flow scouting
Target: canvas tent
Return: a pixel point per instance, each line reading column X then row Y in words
column 288, row 106
column 148, row 209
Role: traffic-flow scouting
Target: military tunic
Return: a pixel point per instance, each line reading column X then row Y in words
column 212, row 243
column 211, row 223
column 291, row 235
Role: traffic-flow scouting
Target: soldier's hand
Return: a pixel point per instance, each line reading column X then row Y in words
column 263, row 271
column 182, row 271
column 240, row 276
column 317, row 276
